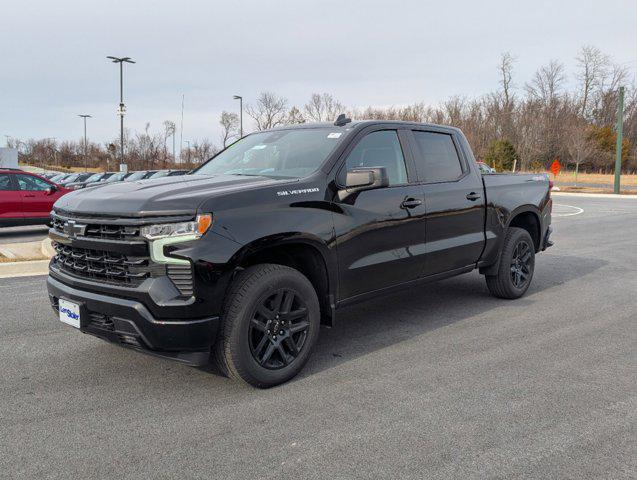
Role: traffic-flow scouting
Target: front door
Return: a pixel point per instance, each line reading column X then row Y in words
column 454, row 201
column 380, row 233
column 37, row 199
column 10, row 199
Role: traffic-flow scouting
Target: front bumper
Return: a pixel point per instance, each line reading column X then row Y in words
column 129, row 323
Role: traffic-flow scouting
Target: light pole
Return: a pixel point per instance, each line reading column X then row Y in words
column 240, row 98
column 84, row 116
column 122, row 108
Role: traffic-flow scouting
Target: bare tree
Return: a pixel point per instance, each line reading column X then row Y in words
column 323, row 107
column 592, row 69
column 578, row 143
column 547, row 82
column 169, row 131
column 229, row 122
column 506, row 75
column 268, row 111
column 295, row 116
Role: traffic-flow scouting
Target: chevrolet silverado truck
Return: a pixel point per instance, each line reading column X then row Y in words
column 242, row 260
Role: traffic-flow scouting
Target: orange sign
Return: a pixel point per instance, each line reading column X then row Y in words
column 555, row 167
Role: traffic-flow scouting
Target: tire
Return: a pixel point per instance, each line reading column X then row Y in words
column 517, row 264
column 267, row 298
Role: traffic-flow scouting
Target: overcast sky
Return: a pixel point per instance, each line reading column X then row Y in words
column 365, row 52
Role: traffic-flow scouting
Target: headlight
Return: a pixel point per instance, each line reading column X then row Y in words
column 181, row 229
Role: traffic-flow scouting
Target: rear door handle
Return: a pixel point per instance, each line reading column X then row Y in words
column 410, row 203
column 473, row 196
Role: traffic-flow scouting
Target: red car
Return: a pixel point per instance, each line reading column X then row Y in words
column 26, row 198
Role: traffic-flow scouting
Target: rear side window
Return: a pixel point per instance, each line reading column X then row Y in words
column 27, row 182
column 5, row 182
column 438, row 160
column 380, row 149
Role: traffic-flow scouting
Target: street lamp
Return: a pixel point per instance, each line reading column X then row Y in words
column 122, row 108
column 84, row 116
column 240, row 98
column 188, row 142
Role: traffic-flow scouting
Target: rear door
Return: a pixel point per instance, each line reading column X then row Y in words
column 454, row 201
column 380, row 233
column 37, row 199
column 10, row 199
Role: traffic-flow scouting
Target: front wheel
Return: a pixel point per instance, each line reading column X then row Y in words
column 517, row 263
column 270, row 324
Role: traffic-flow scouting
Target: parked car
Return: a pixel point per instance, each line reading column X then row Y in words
column 57, row 178
column 485, row 169
column 75, row 177
column 117, row 177
column 168, row 173
column 26, row 198
column 246, row 256
column 176, row 173
column 94, row 179
column 140, row 175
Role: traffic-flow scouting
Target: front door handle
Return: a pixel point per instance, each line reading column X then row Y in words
column 30, row 195
column 410, row 203
column 473, row 196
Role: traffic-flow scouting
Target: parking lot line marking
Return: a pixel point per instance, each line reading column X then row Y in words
column 577, row 211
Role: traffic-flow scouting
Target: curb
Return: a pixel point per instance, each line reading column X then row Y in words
column 592, row 195
column 24, row 269
column 47, row 249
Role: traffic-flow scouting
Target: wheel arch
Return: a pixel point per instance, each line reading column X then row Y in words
column 305, row 253
column 526, row 217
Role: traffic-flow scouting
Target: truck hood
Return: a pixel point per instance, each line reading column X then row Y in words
column 178, row 195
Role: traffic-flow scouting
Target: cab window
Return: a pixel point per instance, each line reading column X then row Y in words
column 29, row 183
column 380, row 149
column 438, row 160
column 5, row 182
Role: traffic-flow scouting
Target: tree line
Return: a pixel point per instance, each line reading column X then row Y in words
column 526, row 125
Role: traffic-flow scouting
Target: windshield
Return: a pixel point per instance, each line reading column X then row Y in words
column 94, row 178
column 115, row 178
column 161, row 173
column 136, row 176
column 285, row 153
column 71, row 178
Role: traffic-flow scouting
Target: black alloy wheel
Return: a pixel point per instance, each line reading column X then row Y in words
column 270, row 322
column 521, row 265
column 278, row 329
column 516, row 265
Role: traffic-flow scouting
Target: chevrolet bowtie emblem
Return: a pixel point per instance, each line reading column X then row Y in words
column 74, row 229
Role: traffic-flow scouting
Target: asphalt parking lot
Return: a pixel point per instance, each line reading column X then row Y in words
column 442, row 381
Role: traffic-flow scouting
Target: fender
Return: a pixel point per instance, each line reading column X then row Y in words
column 325, row 252
column 489, row 266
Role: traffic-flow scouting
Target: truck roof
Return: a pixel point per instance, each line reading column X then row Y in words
column 363, row 123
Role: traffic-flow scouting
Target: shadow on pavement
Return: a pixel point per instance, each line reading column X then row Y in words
column 391, row 319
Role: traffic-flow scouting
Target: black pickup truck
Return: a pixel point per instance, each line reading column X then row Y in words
column 241, row 261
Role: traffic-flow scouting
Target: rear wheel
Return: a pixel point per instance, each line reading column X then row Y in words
column 270, row 324
column 517, row 263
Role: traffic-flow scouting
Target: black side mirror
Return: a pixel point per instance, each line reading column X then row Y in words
column 364, row 178
column 51, row 190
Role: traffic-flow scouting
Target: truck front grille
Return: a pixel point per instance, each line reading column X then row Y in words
column 101, row 231
column 98, row 259
column 102, row 265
